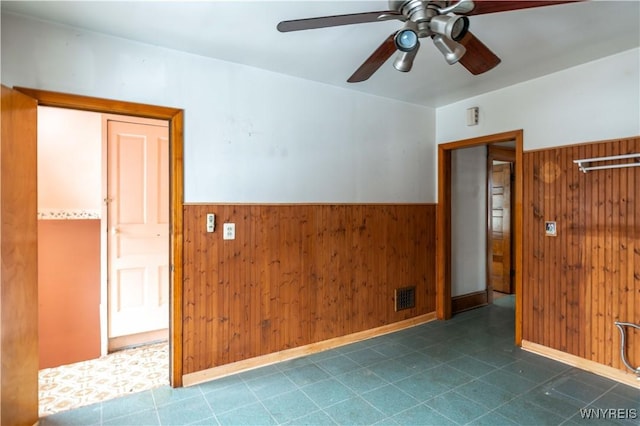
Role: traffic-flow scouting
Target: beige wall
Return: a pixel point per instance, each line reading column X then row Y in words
column 68, row 291
column 69, row 160
column 69, row 209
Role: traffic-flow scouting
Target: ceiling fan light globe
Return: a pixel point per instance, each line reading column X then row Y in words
column 406, row 40
column 452, row 27
column 459, row 28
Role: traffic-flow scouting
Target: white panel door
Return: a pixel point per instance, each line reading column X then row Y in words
column 138, row 227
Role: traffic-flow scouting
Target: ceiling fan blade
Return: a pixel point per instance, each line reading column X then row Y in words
column 375, row 61
column 478, row 58
column 493, row 6
column 337, row 20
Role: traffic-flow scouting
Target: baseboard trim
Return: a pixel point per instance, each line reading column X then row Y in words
column 264, row 360
column 582, row 363
column 468, row 301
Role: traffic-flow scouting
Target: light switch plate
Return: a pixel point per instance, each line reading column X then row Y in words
column 211, row 222
column 229, row 231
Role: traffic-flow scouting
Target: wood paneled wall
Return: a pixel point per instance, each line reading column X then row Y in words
column 575, row 285
column 299, row 274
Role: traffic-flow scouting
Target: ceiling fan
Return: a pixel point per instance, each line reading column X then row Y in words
column 445, row 22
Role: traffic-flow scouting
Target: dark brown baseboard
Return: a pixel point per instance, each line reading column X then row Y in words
column 468, row 301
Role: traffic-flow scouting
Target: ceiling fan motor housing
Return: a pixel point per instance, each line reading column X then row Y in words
column 418, row 13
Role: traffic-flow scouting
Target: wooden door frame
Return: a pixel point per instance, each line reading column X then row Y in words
column 443, row 228
column 175, row 117
column 497, row 153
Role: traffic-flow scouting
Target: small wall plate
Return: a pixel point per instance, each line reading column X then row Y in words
column 229, row 231
column 550, row 229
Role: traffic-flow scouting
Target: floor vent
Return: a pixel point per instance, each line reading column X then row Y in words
column 405, row 298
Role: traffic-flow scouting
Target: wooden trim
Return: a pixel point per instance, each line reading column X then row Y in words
column 482, row 140
column 443, row 236
column 264, row 360
column 469, row 301
column 109, row 106
column 501, row 153
column 583, row 364
column 517, row 234
column 176, row 131
column 443, row 231
column 489, row 226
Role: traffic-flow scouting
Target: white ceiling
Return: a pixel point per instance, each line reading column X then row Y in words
column 531, row 42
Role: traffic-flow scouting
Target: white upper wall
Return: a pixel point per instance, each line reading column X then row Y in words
column 250, row 135
column 596, row 101
column 468, row 220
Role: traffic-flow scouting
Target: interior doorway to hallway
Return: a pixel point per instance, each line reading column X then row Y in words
column 444, row 226
column 103, row 220
column 481, row 224
column 19, row 125
column 500, row 215
column 103, row 232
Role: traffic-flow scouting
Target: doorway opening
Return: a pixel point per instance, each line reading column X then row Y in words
column 29, row 99
column 500, row 181
column 103, row 256
column 444, row 223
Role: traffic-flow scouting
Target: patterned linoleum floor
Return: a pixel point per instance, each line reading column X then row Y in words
column 117, row 374
column 465, row 371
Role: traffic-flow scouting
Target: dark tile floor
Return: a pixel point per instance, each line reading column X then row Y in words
column 458, row 372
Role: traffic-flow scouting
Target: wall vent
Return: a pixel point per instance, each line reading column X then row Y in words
column 405, row 298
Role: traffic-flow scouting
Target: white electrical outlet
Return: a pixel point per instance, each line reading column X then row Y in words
column 229, row 231
column 211, row 222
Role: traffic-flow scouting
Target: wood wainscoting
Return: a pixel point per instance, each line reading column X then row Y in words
column 576, row 284
column 299, row 274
